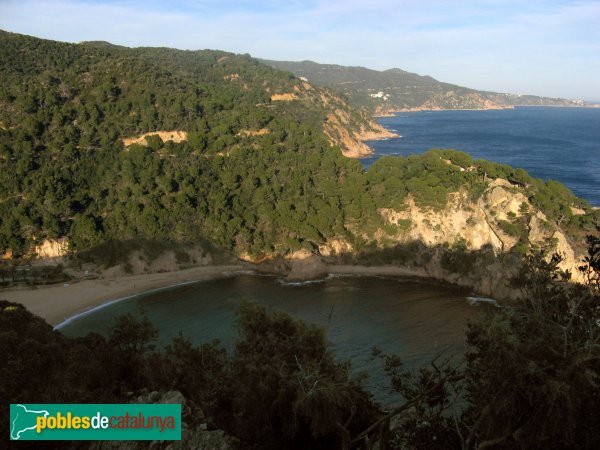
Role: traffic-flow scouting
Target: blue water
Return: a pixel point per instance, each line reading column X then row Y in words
column 415, row 319
column 550, row 143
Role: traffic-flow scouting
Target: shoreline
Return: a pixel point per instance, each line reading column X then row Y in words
column 57, row 304
column 60, row 304
column 500, row 108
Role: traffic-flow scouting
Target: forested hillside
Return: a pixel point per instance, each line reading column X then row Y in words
column 101, row 143
column 244, row 130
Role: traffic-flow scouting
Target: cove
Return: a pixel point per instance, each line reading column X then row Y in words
column 413, row 318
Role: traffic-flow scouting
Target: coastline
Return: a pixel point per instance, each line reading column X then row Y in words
column 58, row 304
column 393, row 113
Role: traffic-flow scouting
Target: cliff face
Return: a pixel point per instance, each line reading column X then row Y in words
column 52, row 248
column 344, row 126
column 503, row 220
column 350, row 139
column 475, row 223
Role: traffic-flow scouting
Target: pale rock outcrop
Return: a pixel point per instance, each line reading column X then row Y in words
column 52, row 248
column 436, row 227
column 455, row 100
column 570, row 260
column 339, row 134
column 249, row 258
column 199, row 256
column 345, row 131
column 503, row 200
column 376, row 133
column 175, row 136
column 250, row 133
column 500, row 182
column 341, row 128
column 538, row 228
column 545, row 235
column 299, row 255
column 139, row 263
column 114, row 272
column 335, row 247
column 287, row 97
column 475, row 224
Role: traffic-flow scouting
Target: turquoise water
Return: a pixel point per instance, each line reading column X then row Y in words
column 550, row 143
column 412, row 318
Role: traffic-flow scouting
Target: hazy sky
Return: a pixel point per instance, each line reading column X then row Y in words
column 542, row 47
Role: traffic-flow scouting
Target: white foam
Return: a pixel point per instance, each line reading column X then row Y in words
column 476, row 300
column 300, row 283
column 120, row 299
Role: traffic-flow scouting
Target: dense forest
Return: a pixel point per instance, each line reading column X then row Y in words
column 65, row 110
column 253, row 174
column 65, row 171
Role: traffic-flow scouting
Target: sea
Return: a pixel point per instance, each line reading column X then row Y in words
column 556, row 143
column 418, row 320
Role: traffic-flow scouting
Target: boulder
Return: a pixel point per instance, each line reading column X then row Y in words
column 311, row 268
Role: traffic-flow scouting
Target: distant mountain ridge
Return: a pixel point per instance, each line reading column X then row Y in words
column 384, row 92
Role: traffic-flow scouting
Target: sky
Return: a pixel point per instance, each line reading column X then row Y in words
column 540, row 47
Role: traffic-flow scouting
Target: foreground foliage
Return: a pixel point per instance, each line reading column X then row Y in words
column 533, row 376
column 530, row 378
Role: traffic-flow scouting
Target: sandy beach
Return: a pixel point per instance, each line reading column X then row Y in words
column 59, row 302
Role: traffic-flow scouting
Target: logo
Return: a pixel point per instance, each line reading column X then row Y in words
column 95, row 422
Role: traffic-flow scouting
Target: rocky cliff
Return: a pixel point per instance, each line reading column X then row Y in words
column 472, row 243
column 344, row 126
column 51, row 248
